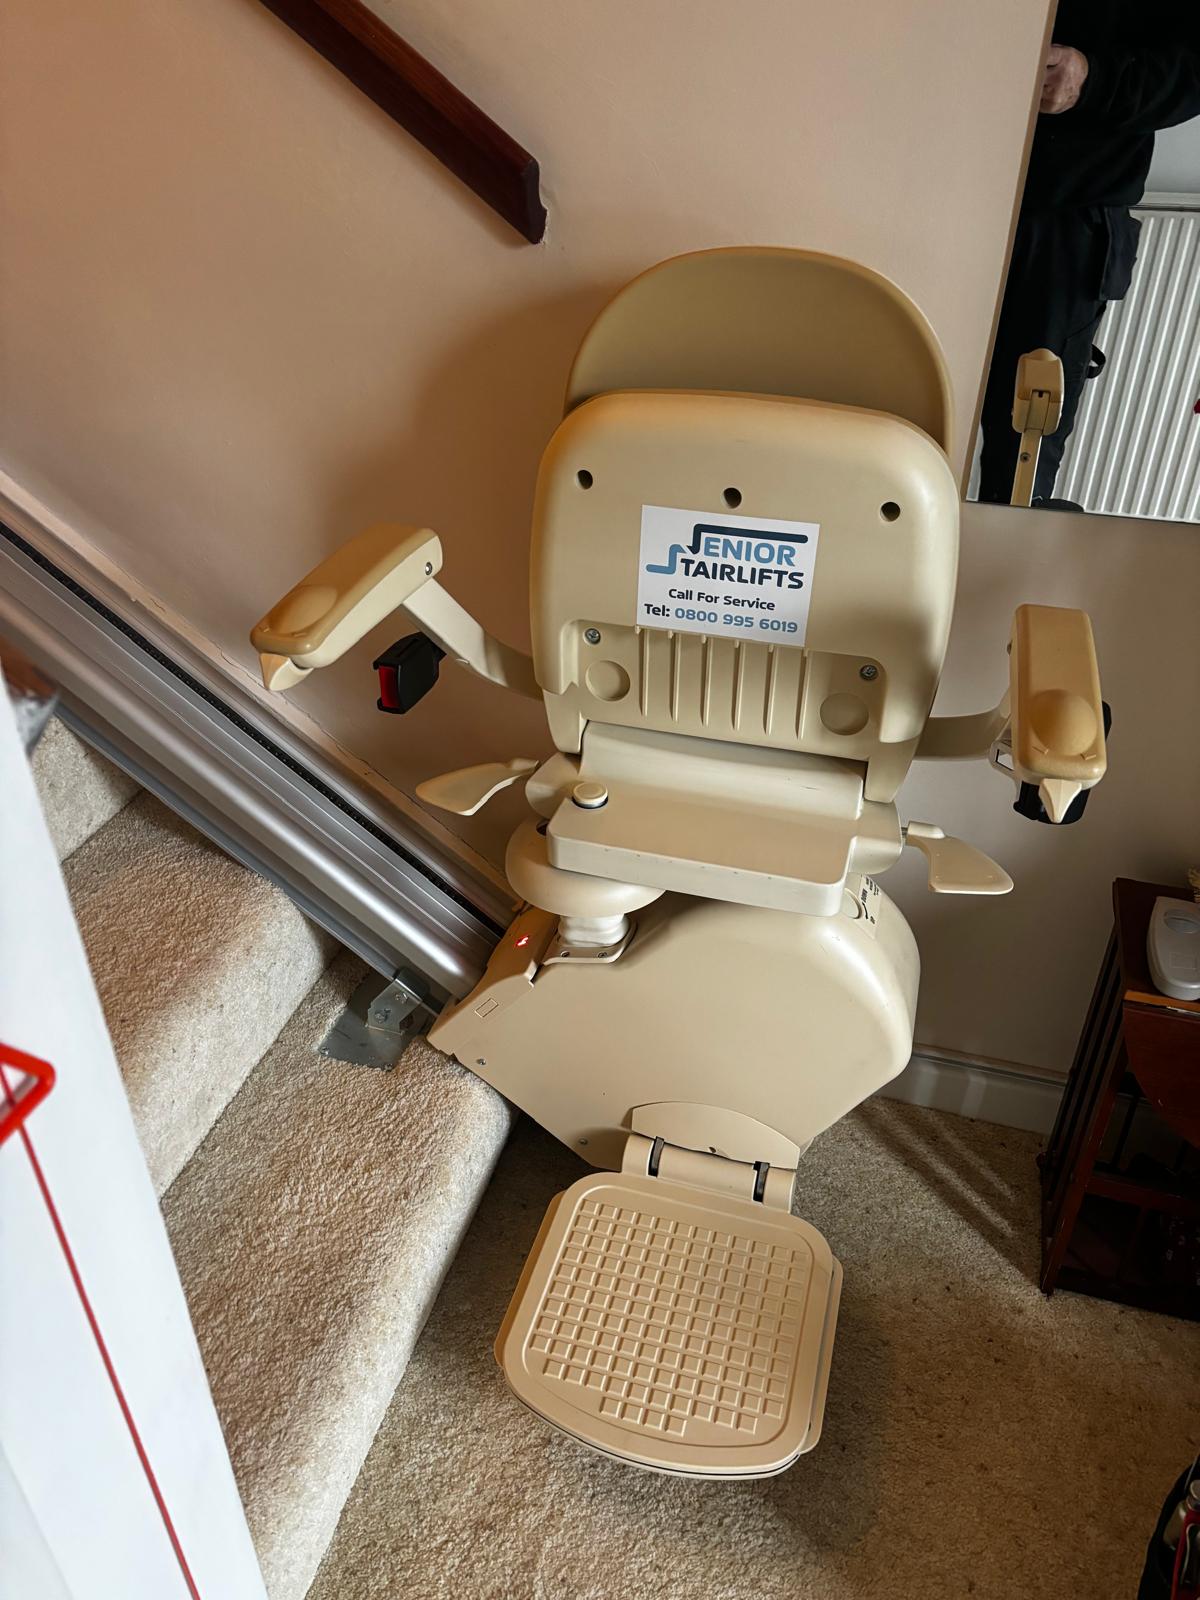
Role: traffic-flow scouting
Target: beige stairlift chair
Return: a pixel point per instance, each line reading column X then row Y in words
column 743, row 572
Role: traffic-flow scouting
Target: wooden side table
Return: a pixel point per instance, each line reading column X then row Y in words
column 1115, row 1224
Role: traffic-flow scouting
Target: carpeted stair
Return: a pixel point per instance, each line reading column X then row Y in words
column 314, row 1207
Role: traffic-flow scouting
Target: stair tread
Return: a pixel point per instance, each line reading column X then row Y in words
column 312, row 1230
column 79, row 790
column 198, row 963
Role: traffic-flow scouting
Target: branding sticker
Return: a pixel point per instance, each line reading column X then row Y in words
column 869, row 895
column 718, row 573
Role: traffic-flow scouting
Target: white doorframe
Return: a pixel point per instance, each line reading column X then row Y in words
column 114, row 1477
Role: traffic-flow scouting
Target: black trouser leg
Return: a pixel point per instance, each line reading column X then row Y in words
column 1076, row 356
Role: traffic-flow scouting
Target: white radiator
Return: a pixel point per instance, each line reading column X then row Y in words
column 1135, row 450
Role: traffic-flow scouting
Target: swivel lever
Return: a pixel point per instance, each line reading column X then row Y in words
column 956, row 867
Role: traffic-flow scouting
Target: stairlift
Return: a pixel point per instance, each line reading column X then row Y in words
column 743, row 571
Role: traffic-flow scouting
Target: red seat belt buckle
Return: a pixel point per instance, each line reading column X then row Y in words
column 389, row 686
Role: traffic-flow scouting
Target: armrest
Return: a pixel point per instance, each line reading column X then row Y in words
column 392, row 566
column 1057, row 728
column 1036, row 414
column 348, row 593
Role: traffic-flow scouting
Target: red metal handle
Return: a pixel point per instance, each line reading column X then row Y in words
column 16, row 1105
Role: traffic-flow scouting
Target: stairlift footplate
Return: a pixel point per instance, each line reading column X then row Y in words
column 673, row 1328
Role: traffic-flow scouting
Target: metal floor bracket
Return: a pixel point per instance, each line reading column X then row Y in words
column 380, row 1021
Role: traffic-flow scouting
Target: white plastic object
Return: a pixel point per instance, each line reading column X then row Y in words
column 344, row 597
column 1054, row 690
column 566, row 894
column 454, row 630
column 578, row 1045
column 772, row 828
column 467, row 789
column 281, row 672
column 675, row 1328
column 389, row 567
column 1173, row 947
column 1036, row 413
column 956, row 867
column 590, row 796
column 1058, row 795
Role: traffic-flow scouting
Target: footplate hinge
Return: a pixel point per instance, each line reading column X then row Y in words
column 698, row 1169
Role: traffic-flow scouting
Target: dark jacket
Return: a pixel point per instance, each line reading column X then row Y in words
column 1143, row 74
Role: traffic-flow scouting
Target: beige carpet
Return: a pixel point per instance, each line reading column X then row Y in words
column 979, row 1440
column 79, row 789
column 312, row 1230
column 198, row 964
column 315, row 1206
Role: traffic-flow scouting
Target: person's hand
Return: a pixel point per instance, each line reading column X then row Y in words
column 1066, row 73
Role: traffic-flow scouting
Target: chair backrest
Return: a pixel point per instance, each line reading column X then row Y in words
column 746, row 528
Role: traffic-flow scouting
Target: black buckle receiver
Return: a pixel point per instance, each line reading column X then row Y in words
column 407, row 671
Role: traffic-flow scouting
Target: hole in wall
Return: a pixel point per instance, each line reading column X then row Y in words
column 889, row 511
column 733, row 498
column 584, row 478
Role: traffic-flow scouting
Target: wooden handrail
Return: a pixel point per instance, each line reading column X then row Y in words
column 410, row 89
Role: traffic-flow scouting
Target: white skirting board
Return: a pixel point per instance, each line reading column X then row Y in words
column 990, row 1091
